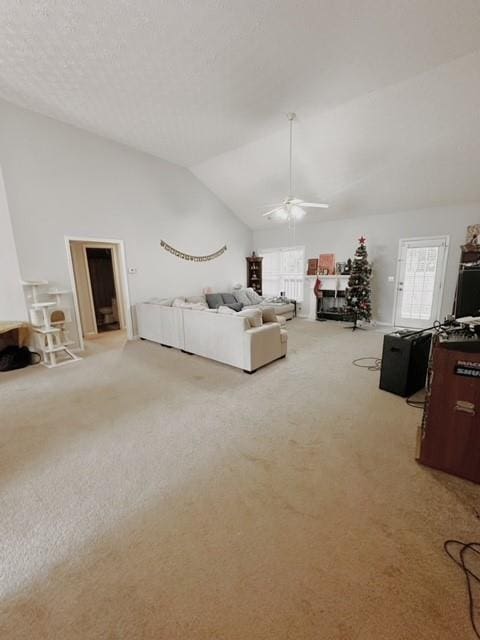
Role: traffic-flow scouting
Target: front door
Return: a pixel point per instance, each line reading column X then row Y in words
column 420, row 274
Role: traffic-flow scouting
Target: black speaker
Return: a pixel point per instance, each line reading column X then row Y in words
column 468, row 293
column 405, row 362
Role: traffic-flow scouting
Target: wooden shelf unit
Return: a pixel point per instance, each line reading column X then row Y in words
column 254, row 273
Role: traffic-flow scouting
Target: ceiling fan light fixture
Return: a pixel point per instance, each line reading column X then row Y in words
column 292, row 208
column 297, row 212
column 281, row 214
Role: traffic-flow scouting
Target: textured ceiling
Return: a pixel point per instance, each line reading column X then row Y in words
column 412, row 145
column 206, row 84
column 189, row 79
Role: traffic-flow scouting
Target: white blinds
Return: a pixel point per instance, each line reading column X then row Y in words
column 283, row 270
column 419, row 282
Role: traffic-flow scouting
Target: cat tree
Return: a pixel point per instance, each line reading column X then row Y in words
column 50, row 318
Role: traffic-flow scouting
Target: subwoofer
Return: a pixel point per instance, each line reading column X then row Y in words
column 405, row 362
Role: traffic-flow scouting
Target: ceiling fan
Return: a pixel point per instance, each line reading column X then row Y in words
column 291, row 208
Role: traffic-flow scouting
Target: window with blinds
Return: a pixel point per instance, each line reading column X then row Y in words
column 419, row 282
column 283, row 270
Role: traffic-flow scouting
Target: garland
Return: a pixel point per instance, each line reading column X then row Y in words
column 187, row 256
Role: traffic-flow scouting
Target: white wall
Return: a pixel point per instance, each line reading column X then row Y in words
column 12, row 301
column 63, row 181
column 383, row 233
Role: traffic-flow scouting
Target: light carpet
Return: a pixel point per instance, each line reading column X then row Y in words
column 149, row 494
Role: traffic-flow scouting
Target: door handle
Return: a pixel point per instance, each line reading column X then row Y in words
column 465, row 407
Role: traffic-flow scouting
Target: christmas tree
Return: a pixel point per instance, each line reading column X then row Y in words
column 358, row 291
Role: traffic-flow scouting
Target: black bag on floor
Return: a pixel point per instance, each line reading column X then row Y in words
column 17, row 358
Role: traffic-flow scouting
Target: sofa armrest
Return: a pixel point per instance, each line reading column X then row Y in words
column 262, row 345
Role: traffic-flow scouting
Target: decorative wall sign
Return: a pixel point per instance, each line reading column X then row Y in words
column 190, row 258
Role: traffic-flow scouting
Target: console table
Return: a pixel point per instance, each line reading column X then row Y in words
column 14, row 333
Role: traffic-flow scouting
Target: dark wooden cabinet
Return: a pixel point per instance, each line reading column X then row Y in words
column 450, row 434
column 254, row 273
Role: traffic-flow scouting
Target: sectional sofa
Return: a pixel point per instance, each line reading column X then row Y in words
column 225, row 336
column 241, row 298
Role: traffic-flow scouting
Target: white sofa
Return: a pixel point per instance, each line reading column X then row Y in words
column 285, row 309
column 226, row 338
column 251, row 300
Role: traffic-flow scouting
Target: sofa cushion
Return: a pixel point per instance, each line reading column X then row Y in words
column 178, row 302
column 166, row 302
column 254, row 317
column 269, row 314
column 228, row 298
column 198, row 306
column 241, row 296
column 253, row 296
column 226, row 310
column 214, row 300
column 280, row 307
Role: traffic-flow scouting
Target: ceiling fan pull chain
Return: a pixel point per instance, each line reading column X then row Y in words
column 291, row 207
column 291, row 117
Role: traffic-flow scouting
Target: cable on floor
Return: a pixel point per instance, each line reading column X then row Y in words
column 416, row 404
column 374, row 364
column 460, row 560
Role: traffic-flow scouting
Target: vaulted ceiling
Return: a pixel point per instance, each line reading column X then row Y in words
column 387, row 92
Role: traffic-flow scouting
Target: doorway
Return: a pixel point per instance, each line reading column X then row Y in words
column 420, row 278
column 99, row 284
column 104, row 292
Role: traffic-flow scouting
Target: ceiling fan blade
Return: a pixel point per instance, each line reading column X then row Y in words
column 313, row 204
column 270, row 212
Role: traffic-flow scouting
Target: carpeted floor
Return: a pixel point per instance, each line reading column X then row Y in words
column 148, row 494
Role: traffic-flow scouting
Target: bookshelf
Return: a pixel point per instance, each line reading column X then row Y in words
column 254, row 273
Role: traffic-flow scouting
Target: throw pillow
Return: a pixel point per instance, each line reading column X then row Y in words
column 269, row 315
column 236, row 306
column 196, row 299
column 178, row 302
column 214, row 300
column 253, row 296
column 228, row 298
column 241, row 296
column 226, row 311
column 254, row 317
column 198, row 306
